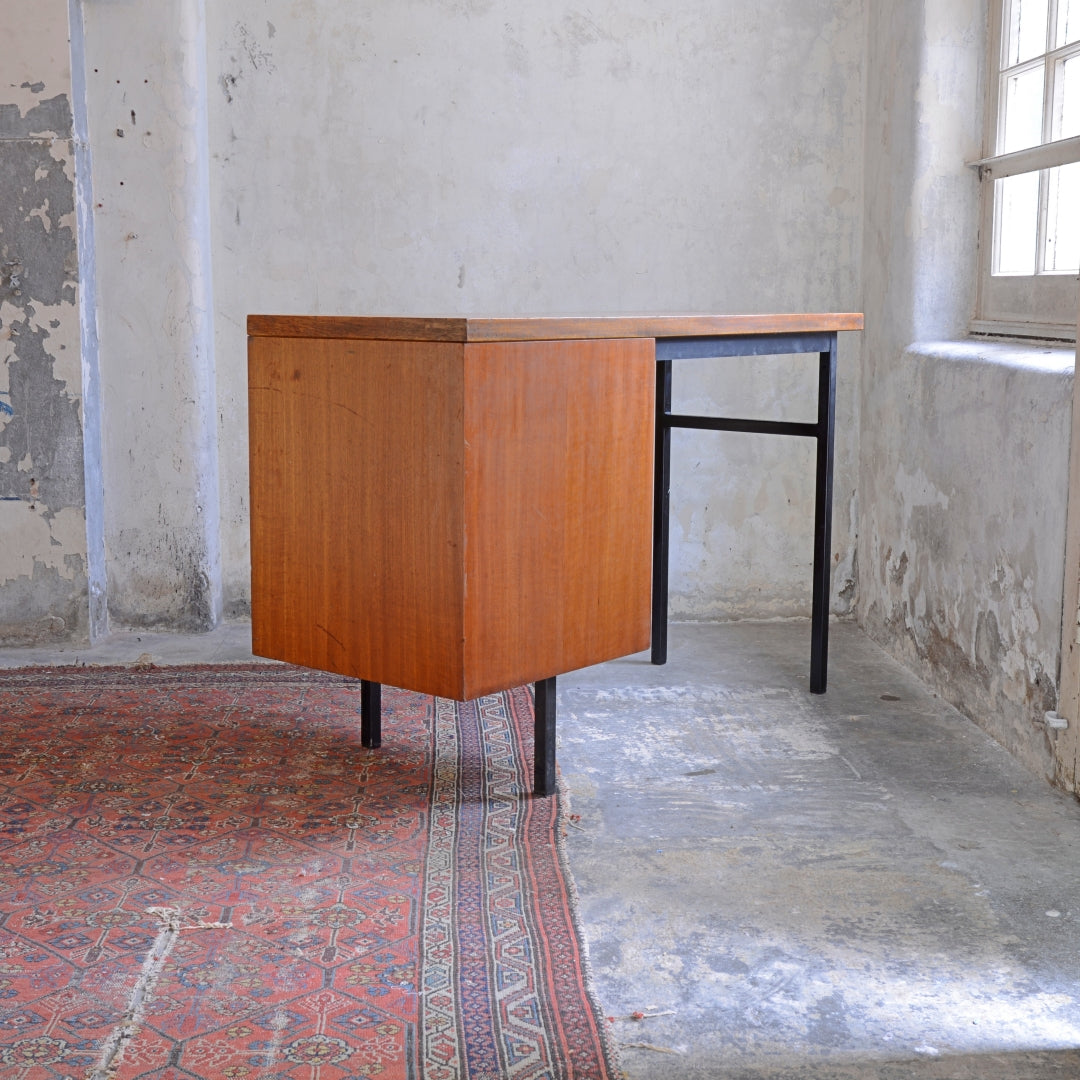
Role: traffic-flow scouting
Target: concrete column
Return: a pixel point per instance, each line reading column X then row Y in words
column 146, row 96
column 97, row 584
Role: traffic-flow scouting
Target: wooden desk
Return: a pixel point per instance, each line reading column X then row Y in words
column 458, row 506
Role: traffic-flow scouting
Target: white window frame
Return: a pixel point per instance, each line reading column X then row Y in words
column 1042, row 305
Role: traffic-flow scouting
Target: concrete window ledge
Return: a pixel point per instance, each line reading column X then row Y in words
column 1032, row 356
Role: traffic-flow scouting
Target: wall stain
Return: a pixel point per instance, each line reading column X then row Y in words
column 898, row 572
column 43, row 607
column 995, row 680
column 988, row 648
column 245, row 53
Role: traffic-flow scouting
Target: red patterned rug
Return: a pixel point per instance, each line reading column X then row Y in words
column 203, row 874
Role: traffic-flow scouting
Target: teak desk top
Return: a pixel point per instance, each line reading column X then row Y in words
column 545, row 328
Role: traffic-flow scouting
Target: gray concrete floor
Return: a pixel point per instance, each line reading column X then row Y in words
column 860, row 884
column 793, row 887
column 230, row 643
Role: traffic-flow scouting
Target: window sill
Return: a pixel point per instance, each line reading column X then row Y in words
column 1054, row 358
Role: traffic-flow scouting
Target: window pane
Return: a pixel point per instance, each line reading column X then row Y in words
column 1067, row 97
column 1023, row 97
column 1017, row 223
column 1068, row 22
column 1063, row 219
column 1027, row 30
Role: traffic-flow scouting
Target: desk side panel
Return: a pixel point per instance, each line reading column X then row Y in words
column 356, row 508
column 558, row 498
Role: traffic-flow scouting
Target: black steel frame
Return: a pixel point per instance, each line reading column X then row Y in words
column 544, row 699
column 823, row 430
column 370, row 714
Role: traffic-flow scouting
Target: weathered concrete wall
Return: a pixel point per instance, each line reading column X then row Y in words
column 964, row 572
column 482, row 156
column 146, row 102
column 963, row 475
column 43, row 555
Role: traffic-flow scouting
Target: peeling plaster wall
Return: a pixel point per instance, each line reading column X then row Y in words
column 964, row 468
column 481, row 157
column 43, row 556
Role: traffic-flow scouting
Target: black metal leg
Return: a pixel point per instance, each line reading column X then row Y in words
column 819, row 618
column 370, row 714
column 668, row 349
column 544, row 737
column 661, row 513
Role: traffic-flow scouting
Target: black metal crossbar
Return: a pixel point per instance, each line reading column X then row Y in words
column 823, row 430
column 759, row 427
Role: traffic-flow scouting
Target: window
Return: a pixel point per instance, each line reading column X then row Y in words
column 1030, row 236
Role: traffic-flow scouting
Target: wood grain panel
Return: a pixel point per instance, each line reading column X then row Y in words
column 558, row 511
column 357, row 495
column 546, row 328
